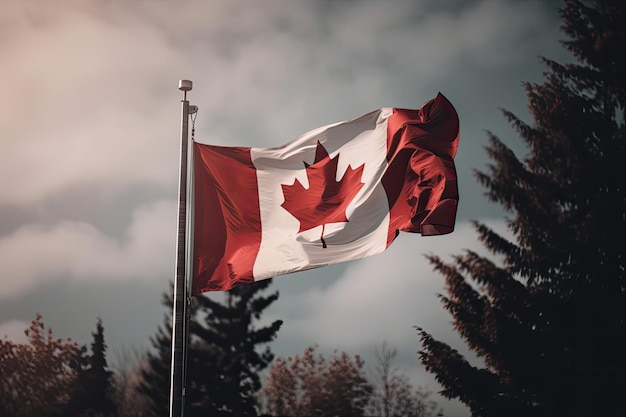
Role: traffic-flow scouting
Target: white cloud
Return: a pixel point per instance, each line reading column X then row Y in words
column 90, row 96
column 71, row 251
column 82, row 105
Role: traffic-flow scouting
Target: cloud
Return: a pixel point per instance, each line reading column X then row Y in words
column 83, row 105
column 91, row 97
column 14, row 330
column 75, row 251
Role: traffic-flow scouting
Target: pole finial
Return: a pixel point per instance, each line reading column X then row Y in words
column 185, row 85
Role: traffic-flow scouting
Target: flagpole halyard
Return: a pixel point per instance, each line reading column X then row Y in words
column 179, row 310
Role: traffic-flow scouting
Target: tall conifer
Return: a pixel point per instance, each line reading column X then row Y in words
column 228, row 345
column 550, row 320
column 92, row 394
column 224, row 354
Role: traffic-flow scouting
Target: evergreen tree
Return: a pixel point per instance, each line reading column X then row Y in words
column 93, row 391
column 224, row 370
column 223, row 357
column 550, row 321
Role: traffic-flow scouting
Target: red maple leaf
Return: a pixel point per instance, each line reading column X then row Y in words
column 326, row 199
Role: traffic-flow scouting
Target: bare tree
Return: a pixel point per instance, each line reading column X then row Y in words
column 394, row 395
column 128, row 375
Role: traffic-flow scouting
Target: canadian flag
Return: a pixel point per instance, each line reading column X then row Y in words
column 337, row 193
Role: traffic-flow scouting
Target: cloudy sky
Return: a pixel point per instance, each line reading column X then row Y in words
column 89, row 142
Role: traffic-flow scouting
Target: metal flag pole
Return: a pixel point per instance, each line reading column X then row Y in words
column 179, row 310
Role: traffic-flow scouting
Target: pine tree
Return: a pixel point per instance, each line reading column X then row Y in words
column 226, row 363
column 550, row 321
column 223, row 357
column 93, row 391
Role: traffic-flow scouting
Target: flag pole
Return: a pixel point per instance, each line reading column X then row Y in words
column 179, row 310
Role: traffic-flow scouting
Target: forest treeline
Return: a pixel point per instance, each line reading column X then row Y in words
column 227, row 355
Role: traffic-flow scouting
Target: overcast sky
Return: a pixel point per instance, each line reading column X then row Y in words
column 89, row 142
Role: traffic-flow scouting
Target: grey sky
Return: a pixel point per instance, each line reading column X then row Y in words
column 89, row 132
